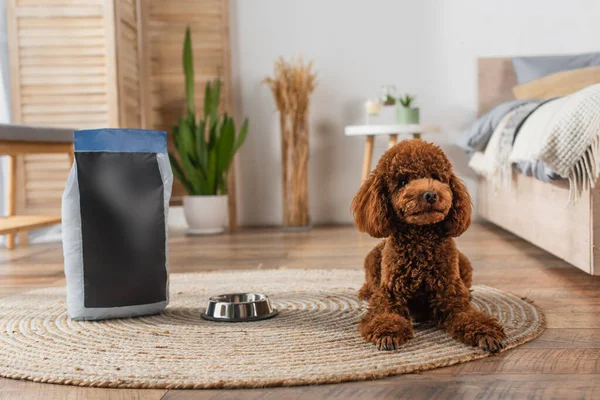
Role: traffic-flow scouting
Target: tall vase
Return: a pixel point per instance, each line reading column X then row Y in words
column 294, row 158
column 292, row 84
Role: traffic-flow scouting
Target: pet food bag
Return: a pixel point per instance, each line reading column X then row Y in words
column 114, row 224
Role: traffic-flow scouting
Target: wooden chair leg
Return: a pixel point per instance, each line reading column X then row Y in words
column 10, row 241
column 393, row 140
column 12, row 196
column 368, row 156
column 23, row 238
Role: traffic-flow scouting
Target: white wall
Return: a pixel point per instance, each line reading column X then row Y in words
column 424, row 47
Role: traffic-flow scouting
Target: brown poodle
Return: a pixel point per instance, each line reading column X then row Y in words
column 414, row 200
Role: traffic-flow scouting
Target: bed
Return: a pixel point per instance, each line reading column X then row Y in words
column 537, row 211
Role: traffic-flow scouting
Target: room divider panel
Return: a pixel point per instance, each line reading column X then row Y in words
column 107, row 63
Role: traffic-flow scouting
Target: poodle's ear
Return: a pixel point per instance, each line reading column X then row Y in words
column 459, row 216
column 371, row 208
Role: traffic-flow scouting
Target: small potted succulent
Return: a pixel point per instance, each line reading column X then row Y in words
column 205, row 147
column 388, row 93
column 405, row 114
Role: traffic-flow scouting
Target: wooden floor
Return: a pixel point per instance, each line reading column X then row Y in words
column 563, row 363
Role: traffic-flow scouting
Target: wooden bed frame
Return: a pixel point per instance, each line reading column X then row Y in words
column 537, row 211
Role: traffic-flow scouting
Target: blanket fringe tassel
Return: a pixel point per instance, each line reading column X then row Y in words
column 584, row 173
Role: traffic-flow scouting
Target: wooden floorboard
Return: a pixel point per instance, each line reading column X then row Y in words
column 563, row 363
column 422, row 386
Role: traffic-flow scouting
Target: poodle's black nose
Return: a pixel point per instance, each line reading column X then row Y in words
column 430, row 197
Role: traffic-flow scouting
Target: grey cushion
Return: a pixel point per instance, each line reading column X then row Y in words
column 478, row 134
column 35, row 134
column 529, row 69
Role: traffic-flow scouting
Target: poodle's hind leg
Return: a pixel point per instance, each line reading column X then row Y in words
column 365, row 292
column 386, row 325
column 372, row 272
column 465, row 269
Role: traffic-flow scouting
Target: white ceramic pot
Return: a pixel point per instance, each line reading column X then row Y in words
column 205, row 215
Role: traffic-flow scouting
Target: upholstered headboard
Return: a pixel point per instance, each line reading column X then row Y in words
column 495, row 81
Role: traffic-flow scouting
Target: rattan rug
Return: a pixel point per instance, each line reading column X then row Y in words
column 313, row 340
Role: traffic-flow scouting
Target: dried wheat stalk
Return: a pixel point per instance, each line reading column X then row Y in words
column 292, row 84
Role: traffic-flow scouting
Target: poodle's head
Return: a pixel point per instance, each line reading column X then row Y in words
column 413, row 184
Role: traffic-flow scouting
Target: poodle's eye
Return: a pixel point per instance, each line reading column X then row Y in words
column 403, row 182
column 435, row 177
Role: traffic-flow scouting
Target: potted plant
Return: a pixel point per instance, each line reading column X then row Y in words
column 405, row 114
column 388, row 93
column 205, row 147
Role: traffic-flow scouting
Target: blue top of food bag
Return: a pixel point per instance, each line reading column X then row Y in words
column 121, row 140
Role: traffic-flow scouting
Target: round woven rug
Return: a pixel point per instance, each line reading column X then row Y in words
column 314, row 339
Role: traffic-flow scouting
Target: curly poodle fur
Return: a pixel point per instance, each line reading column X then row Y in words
column 414, row 201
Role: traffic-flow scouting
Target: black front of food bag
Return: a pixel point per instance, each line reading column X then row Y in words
column 123, row 183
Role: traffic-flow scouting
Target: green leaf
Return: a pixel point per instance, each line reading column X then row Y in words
column 213, row 129
column 188, row 69
column 187, row 140
column 177, row 139
column 178, row 172
column 216, row 96
column 212, row 96
column 241, row 137
column 211, row 180
column 406, row 100
column 207, row 101
column 193, row 174
column 191, row 120
column 201, row 147
column 225, row 147
column 187, row 153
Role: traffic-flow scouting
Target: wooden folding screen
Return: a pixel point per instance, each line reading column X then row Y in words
column 63, row 74
column 130, row 64
column 101, row 63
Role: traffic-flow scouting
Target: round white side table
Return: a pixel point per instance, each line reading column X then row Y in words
column 370, row 131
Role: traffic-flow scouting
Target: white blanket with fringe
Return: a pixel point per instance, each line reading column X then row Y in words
column 572, row 145
column 507, row 138
column 563, row 133
column 533, row 132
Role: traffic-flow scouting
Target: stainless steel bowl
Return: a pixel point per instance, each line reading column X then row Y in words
column 239, row 307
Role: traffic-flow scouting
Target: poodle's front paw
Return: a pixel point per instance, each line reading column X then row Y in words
column 386, row 331
column 480, row 330
column 492, row 343
column 490, row 335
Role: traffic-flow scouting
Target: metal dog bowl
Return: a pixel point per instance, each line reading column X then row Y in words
column 239, row 307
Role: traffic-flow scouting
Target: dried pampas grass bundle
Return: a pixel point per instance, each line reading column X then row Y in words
column 292, row 84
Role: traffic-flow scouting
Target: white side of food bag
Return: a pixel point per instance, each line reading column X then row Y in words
column 164, row 165
column 72, row 246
